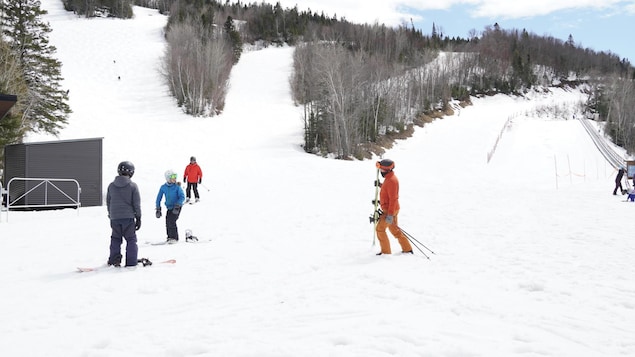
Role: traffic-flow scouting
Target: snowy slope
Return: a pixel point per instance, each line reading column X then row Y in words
column 525, row 265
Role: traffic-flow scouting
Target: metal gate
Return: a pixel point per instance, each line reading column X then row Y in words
column 47, row 192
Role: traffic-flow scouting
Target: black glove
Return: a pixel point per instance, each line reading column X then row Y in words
column 158, row 212
column 184, row 179
column 137, row 223
column 199, row 181
column 177, row 209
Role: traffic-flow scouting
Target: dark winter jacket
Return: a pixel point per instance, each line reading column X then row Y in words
column 173, row 195
column 123, row 199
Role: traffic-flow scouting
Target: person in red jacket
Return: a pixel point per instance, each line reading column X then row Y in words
column 389, row 202
column 192, row 176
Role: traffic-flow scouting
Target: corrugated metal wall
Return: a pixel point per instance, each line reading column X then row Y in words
column 14, row 166
column 70, row 159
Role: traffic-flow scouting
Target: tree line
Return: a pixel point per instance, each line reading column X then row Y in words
column 359, row 83
column 100, row 8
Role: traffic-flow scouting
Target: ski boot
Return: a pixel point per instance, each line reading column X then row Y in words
column 144, row 261
column 189, row 237
column 115, row 261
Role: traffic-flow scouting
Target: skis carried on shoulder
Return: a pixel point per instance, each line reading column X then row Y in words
column 374, row 218
column 144, row 262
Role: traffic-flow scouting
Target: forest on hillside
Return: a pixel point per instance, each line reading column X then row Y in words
column 360, row 83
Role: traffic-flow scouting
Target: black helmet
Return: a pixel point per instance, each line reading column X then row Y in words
column 386, row 165
column 125, row 168
column 193, row 158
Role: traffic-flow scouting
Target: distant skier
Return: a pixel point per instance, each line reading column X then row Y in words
column 124, row 210
column 193, row 176
column 618, row 181
column 389, row 201
column 174, row 198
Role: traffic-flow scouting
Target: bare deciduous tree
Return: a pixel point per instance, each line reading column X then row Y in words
column 196, row 68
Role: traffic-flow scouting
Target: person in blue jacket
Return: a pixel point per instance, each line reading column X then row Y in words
column 174, row 198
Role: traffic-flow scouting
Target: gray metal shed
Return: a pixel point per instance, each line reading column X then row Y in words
column 80, row 160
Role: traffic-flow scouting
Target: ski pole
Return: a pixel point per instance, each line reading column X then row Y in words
column 416, row 246
column 409, row 236
column 205, row 187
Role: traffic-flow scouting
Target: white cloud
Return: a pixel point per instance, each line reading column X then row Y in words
column 520, row 9
column 395, row 12
column 368, row 11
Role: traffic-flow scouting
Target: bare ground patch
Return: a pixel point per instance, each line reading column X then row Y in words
column 384, row 142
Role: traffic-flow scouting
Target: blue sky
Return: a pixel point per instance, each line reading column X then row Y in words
column 602, row 25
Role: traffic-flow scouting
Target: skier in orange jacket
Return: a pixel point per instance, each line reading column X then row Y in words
column 389, row 201
column 193, row 176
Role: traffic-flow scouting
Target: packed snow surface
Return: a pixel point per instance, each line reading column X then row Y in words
column 533, row 255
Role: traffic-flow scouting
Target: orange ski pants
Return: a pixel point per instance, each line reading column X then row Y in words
column 384, row 243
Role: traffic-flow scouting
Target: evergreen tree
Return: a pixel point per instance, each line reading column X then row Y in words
column 45, row 105
column 570, row 41
column 234, row 38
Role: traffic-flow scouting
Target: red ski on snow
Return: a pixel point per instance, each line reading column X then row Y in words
column 85, row 270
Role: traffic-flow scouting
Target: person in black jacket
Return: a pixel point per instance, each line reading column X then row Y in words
column 618, row 181
column 124, row 210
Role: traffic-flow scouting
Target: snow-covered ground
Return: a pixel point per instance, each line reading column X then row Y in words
column 534, row 256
